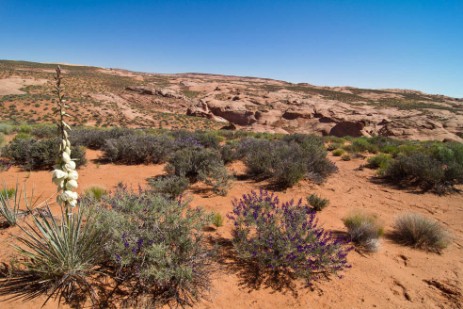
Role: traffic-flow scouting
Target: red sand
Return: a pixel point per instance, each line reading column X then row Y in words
column 394, row 277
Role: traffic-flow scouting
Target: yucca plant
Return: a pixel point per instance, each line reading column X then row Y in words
column 61, row 258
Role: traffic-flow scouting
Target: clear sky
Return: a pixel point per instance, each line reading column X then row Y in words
column 415, row 44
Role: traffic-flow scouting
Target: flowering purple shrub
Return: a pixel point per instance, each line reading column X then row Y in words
column 284, row 238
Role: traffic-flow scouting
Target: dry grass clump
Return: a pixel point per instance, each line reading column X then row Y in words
column 364, row 230
column 420, row 232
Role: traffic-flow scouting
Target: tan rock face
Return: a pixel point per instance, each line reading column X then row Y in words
column 255, row 104
column 284, row 107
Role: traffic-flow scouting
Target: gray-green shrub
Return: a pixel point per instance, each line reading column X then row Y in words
column 33, row 154
column 286, row 161
column 200, row 164
column 171, row 186
column 137, row 149
column 436, row 167
column 156, row 249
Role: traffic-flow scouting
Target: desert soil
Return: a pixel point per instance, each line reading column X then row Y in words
column 394, row 277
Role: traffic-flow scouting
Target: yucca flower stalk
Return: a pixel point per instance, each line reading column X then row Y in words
column 64, row 175
column 61, row 258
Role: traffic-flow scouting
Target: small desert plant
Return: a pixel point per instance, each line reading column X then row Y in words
column 346, row 157
column 95, row 193
column 11, row 199
column 172, row 186
column 338, row 152
column 420, row 232
column 333, row 146
column 217, row 219
column 283, row 239
column 316, row 202
column 364, row 230
column 8, row 192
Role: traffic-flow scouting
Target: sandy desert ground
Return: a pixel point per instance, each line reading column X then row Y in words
column 394, row 277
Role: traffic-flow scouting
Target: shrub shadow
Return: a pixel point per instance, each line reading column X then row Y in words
column 250, row 275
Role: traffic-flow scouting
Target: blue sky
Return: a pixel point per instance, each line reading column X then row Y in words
column 371, row 43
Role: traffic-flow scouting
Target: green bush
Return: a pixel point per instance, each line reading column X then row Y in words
column 420, row 232
column 318, row 203
column 34, row 154
column 338, row 152
column 362, row 144
column 171, row 186
column 24, row 128
column 6, row 128
column 386, row 144
column 44, row 131
column 286, row 161
column 380, row 161
column 156, row 247
column 289, row 167
column 137, row 149
column 229, row 152
column 200, row 164
column 198, row 138
column 96, row 138
column 364, row 230
column 435, row 167
column 258, row 157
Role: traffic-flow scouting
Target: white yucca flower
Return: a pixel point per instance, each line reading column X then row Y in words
column 73, row 175
column 71, row 184
column 66, row 157
column 59, row 174
column 71, row 166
